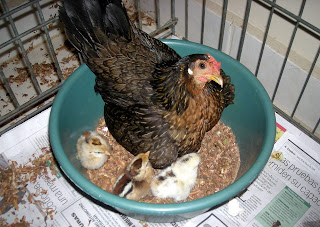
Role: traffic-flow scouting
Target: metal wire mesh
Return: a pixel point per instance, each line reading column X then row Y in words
column 166, row 29
column 299, row 23
column 17, row 38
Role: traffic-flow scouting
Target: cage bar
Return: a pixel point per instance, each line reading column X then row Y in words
column 51, row 49
column 203, row 15
column 264, row 39
column 12, row 96
column 288, row 51
column 22, row 50
column 244, row 28
column 223, row 23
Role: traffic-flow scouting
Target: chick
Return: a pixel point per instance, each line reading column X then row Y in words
column 134, row 183
column 92, row 150
column 177, row 180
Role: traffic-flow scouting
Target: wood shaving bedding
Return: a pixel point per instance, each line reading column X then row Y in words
column 220, row 162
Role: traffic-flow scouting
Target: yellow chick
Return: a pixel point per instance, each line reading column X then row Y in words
column 177, row 180
column 92, row 150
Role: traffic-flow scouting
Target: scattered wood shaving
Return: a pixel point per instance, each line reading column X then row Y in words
column 13, row 181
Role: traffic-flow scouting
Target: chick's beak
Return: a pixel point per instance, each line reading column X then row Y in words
column 216, row 78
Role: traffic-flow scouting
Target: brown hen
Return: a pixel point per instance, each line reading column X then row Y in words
column 154, row 100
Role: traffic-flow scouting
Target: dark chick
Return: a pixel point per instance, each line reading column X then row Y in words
column 134, row 183
column 154, row 100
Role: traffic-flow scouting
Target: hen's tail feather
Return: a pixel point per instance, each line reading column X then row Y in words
column 228, row 89
column 88, row 22
column 116, row 20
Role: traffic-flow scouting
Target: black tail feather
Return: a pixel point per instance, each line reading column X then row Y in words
column 228, row 89
column 116, row 20
column 89, row 22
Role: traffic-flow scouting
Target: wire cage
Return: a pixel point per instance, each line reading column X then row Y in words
column 277, row 41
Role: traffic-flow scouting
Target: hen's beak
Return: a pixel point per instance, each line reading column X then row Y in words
column 216, row 78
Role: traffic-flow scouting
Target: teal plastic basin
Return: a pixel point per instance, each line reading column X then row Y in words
column 78, row 108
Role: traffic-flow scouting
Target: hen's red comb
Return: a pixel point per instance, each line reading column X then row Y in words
column 215, row 64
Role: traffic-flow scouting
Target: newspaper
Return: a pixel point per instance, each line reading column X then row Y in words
column 286, row 193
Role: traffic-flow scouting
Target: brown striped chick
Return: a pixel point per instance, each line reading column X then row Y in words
column 134, row 183
column 177, row 180
column 92, row 150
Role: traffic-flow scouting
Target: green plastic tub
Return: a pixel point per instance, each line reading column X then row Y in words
column 78, row 108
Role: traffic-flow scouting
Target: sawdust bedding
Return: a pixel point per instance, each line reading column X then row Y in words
column 220, row 162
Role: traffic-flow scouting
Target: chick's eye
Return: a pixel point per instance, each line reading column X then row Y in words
column 202, row 65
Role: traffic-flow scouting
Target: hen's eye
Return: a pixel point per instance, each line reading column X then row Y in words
column 202, row 65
